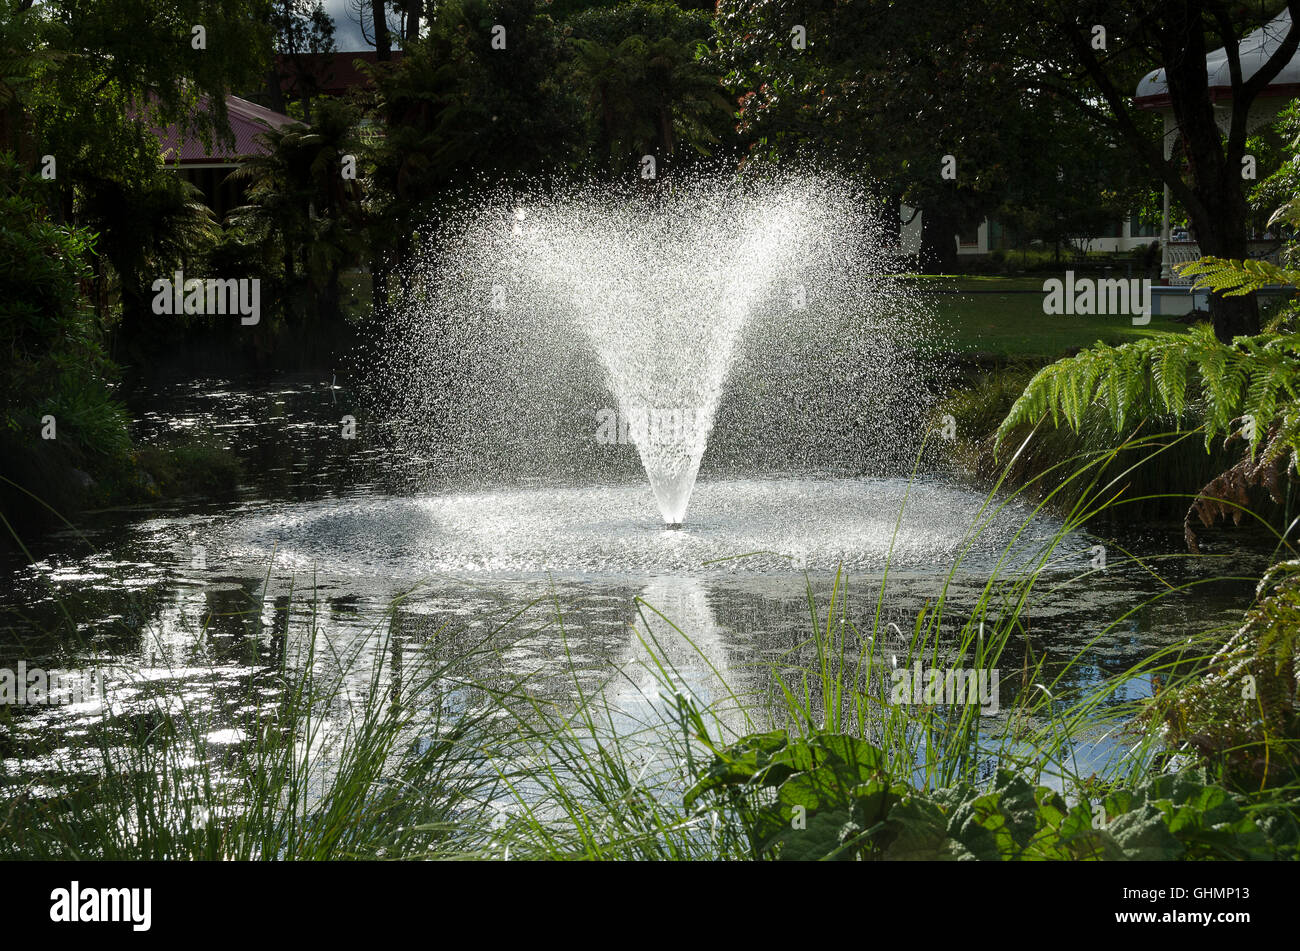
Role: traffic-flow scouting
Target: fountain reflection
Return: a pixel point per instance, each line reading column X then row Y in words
column 677, row 648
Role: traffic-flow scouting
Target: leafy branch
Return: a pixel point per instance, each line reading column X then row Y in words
column 1253, row 383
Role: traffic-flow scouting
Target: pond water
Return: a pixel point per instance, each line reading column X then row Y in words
column 192, row 598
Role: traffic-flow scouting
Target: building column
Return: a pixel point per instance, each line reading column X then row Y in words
column 1166, row 272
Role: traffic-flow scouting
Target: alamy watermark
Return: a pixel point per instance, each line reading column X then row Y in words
column 78, row 904
column 950, row 685
column 654, row 425
column 241, row 296
column 29, row 686
column 1099, row 297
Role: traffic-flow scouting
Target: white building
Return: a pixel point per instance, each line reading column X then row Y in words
column 1126, row 235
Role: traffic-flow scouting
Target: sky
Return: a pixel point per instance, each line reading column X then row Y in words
column 347, row 34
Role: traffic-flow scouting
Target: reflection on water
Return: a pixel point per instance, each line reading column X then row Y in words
column 574, row 587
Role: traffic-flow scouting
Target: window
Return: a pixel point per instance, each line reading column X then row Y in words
column 1138, row 228
column 996, row 238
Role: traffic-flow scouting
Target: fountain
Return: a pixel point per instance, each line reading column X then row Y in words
column 526, row 312
column 745, row 346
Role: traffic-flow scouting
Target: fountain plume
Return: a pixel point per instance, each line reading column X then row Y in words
column 525, row 306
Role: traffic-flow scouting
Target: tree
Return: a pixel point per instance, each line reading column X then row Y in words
column 383, row 44
column 885, row 91
column 101, row 76
column 1065, row 184
column 56, row 368
column 372, row 17
column 304, row 35
column 1243, row 390
column 645, row 84
column 458, row 111
column 1060, row 53
column 298, row 195
column 150, row 55
column 412, row 14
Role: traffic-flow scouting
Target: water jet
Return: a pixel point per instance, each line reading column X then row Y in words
column 770, row 303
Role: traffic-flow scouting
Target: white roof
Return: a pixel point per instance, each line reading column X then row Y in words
column 1254, row 51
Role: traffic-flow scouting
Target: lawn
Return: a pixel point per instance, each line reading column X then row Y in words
column 1004, row 316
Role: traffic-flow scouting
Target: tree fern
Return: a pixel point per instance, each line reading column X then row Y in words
column 1250, row 381
column 1247, row 391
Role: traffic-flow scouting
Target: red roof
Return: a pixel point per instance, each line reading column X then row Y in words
column 247, row 120
column 334, row 73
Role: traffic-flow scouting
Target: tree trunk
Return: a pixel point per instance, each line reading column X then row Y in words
column 1218, row 210
column 1221, row 232
column 414, row 13
column 274, row 92
column 383, row 43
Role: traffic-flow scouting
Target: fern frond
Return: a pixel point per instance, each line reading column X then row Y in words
column 1259, row 378
column 1171, row 378
column 1235, row 278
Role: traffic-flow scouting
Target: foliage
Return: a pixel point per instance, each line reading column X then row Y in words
column 191, row 466
column 647, row 96
column 1254, row 379
column 831, row 796
column 304, row 33
column 126, row 55
column 1244, row 715
column 454, row 112
column 647, row 89
column 299, row 199
column 1235, row 278
column 1247, row 392
column 153, row 223
column 55, row 361
column 887, row 90
column 1066, row 184
column 108, row 74
column 1275, row 195
column 983, row 401
column 610, row 24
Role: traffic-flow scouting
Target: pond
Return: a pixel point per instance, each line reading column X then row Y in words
column 563, row 582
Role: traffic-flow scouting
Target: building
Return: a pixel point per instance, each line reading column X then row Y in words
column 210, row 168
column 325, row 74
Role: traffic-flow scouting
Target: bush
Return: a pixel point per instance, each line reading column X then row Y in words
column 56, row 363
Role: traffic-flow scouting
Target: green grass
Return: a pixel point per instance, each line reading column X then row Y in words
column 977, row 282
column 1012, row 325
